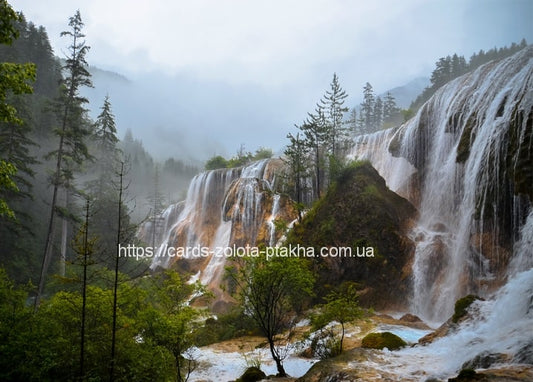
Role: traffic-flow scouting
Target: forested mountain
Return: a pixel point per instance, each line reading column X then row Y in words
column 450, row 67
column 28, row 145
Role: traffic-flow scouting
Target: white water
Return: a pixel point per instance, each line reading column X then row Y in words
column 223, row 208
column 502, row 325
column 448, row 193
column 271, row 220
column 217, row 366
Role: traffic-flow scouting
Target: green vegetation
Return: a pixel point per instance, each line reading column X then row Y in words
column 216, row 162
column 359, row 213
column 272, row 292
column 241, row 159
column 342, row 307
column 154, row 330
column 15, row 80
column 382, row 340
column 450, row 67
column 461, row 307
column 226, row 327
column 28, row 175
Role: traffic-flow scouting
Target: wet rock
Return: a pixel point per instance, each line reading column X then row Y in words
column 252, row 374
column 485, row 360
column 408, row 317
column 382, row 340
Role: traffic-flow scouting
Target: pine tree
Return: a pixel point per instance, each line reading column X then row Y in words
column 332, row 107
column 377, row 114
column 367, row 108
column 14, row 79
column 390, row 110
column 316, row 135
column 296, row 157
column 458, row 66
column 15, row 144
column 71, row 150
column 106, row 130
column 106, row 150
column 352, row 122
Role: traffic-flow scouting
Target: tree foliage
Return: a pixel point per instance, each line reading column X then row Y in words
column 340, row 307
column 271, row 292
column 325, row 135
column 296, row 158
column 452, row 66
column 14, row 80
column 154, row 329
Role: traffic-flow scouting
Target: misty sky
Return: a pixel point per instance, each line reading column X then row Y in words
column 208, row 75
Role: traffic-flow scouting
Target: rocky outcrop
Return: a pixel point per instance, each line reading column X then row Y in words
column 359, row 212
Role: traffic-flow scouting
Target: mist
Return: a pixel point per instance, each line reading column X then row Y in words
column 191, row 119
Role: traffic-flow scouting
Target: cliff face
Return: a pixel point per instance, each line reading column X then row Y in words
column 361, row 213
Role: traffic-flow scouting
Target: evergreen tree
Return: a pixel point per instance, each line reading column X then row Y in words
column 352, row 122
column 106, row 130
column 14, row 79
column 390, row 110
column 367, row 108
column 332, row 107
column 27, row 232
column 15, row 145
column 316, row 136
column 458, row 66
column 296, row 157
column 72, row 150
column 378, row 114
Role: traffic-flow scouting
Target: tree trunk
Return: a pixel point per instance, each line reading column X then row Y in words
column 342, row 338
column 84, row 292
column 115, row 287
column 317, row 160
column 276, row 358
column 64, row 235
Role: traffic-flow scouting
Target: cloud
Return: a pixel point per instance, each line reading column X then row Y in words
column 241, row 71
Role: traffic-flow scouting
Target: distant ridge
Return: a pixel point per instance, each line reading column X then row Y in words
column 407, row 93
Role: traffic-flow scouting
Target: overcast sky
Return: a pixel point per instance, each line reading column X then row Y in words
column 245, row 71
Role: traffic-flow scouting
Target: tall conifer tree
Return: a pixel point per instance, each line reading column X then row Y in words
column 73, row 130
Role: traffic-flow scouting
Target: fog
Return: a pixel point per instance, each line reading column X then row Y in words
column 201, row 78
column 176, row 116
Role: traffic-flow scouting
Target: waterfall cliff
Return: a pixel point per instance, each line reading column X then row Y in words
column 225, row 210
column 466, row 162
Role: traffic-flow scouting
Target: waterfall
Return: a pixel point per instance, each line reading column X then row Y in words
column 460, row 161
column 223, row 209
column 499, row 330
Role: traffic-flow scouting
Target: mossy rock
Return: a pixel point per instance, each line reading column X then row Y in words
column 359, row 212
column 383, row 340
column 252, row 374
column 461, row 307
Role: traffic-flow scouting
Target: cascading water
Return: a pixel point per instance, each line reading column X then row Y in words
column 497, row 334
column 224, row 208
column 460, row 161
